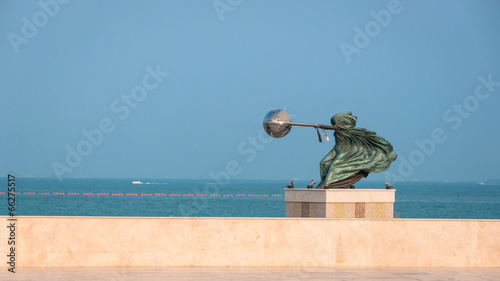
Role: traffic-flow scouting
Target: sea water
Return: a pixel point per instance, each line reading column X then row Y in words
column 234, row 198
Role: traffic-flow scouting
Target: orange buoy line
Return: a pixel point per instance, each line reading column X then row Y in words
column 147, row 194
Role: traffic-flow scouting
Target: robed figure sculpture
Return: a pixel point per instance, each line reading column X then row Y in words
column 357, row 151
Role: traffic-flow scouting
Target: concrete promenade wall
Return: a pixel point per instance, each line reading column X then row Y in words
column 131, row 241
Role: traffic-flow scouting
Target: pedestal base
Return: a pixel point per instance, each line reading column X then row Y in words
column 340, row 203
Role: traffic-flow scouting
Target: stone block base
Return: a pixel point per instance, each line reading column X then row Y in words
column 340, row 203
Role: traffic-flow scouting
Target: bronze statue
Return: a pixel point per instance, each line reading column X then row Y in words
column 357, row 151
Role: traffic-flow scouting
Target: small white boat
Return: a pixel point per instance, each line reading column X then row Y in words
column 482, row 183
column 137, row 182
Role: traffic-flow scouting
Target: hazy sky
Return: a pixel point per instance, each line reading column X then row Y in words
column 179, row 89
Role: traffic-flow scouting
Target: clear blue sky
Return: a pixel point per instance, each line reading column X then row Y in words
column 70, row 67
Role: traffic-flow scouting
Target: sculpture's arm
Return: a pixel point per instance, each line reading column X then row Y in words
column 326, row 127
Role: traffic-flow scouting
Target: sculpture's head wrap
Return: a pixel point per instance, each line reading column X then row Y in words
column 344, row 120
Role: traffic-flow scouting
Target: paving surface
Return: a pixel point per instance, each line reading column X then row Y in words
column 247, row 273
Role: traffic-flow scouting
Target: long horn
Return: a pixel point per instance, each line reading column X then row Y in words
column 325, row 127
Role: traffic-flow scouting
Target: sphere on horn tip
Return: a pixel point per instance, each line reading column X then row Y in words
column 277, row 123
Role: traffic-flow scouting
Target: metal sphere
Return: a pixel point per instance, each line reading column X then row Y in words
column 277, row 123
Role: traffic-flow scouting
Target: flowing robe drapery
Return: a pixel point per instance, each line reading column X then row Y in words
column 356, row 150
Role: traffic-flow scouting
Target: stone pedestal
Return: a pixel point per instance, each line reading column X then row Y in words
column 340, row 203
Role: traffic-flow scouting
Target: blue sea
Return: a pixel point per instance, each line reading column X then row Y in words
column 238, row 198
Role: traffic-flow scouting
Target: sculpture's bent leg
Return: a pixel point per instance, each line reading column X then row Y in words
column 325, row 164
column 345, row 183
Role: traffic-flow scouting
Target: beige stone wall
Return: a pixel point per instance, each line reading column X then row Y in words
column 123, row 241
